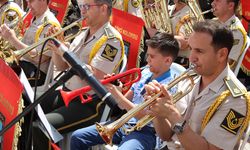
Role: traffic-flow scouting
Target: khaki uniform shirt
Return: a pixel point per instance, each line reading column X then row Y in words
column 175, row 20
column 10, row 13
column 133, row 6
column 31, row 33
column 214, row 133
column 239, row 34
column 82, row 48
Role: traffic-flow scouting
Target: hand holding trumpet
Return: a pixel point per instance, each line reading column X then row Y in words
column 163, row 106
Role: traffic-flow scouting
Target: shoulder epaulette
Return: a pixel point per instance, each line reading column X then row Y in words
column 45, row 21
column 234, row 89
column 109, row 33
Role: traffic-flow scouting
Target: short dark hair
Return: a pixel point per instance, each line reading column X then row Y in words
column 221, row 36
column 166, row 44
column 108, row 3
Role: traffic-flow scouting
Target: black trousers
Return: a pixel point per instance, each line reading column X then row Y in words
column 66, row 119
column 30, row 72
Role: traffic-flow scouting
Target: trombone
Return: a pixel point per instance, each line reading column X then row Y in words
column 107, row 131
column 18, row 54
column 127, row 75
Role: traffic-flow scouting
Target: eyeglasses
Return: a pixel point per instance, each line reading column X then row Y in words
column 87, row 6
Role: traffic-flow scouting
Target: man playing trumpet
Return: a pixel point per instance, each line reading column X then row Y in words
column 162, row 50
column 218, row 112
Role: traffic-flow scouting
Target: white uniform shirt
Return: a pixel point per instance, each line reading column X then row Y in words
column 239, row 34
column 175, row 20
column 199, row 104
column 82, row 48
column 30, row 34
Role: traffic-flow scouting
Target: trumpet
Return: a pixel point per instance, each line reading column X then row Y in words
column 107, row 131
column 131, row 76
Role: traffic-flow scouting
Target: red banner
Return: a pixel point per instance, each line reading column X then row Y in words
column 245, row 13
column 245, row 66
column 10, row 104
column 130, row 28
column 59, row 8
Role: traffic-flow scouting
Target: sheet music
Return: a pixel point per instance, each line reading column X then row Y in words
column 53, row 133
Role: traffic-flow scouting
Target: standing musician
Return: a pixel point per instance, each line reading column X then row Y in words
column 218, row 111
column 42, row 19
column 162, row 50
column 101, row 48
column 225, row 10
column 10, row 12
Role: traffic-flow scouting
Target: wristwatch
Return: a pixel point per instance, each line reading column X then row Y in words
column 179, row 127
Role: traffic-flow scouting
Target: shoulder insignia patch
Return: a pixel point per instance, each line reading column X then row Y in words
column 109, row 52
column 233, row 121
column 135, row 3
column 233, row 87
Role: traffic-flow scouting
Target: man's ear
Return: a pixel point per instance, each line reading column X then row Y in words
column 231, row 5
column 104, row 8
column 223, row 53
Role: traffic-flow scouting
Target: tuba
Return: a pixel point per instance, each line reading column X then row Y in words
column 107, row 131
column 156, row 16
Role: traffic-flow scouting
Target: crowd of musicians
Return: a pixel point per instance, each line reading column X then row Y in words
column 177, row 36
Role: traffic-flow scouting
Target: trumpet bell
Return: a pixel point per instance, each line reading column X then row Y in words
column 105, row 133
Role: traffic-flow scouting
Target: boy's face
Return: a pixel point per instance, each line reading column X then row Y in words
column 157, row 62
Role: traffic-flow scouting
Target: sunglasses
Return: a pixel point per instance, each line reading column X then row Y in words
column 87, row 6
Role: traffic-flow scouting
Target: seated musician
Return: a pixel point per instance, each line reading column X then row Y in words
column 218, row 113
column 42, row 19
column 100, row 47
column 162, row 50
column 177, row 13
column 225, row 11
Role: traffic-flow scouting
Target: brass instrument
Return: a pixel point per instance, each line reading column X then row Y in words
column 195, row 8
column 107, row 131
column 69, row 96
column 156, row 16
column 20, row 53
column 194, row 16
column 5, row 46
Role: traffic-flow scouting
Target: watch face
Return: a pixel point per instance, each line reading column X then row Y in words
column 178, row 127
